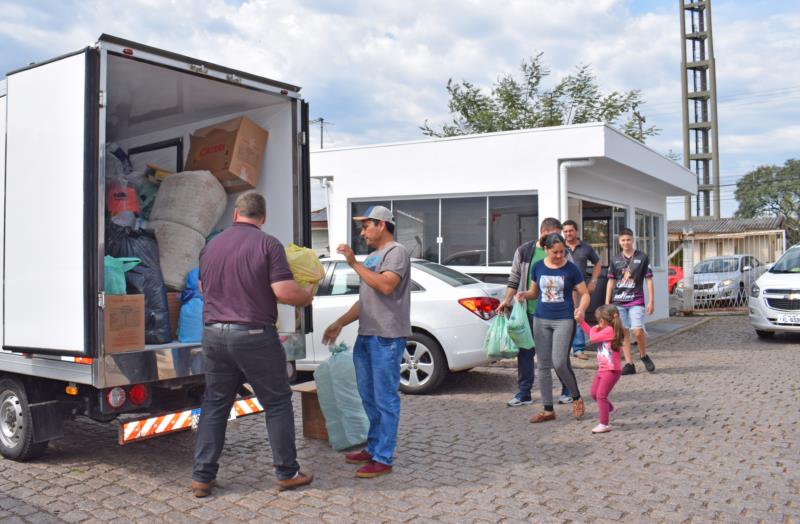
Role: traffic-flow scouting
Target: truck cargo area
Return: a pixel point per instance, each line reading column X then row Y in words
column 152, row 110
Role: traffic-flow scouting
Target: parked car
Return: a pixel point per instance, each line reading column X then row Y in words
column 774, row 301
column 449, row 318
column 675, row 276
column 723, row 279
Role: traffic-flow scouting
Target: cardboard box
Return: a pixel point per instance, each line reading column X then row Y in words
column 174, row 305
column 123, row 320
column 232, row 150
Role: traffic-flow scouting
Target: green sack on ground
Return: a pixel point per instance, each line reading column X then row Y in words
column 339, row 400
column 518, row 327
column 114, row 273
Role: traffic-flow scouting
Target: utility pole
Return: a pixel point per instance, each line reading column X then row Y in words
column 322, row 123
column 699, row 90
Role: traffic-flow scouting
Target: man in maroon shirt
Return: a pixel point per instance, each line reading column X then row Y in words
column 243, row 275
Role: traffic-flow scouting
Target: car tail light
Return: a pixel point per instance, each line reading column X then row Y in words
column 115, row 397
column 138, row 394
column 482, row 306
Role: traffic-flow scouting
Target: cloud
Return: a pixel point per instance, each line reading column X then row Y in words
column 378, row 70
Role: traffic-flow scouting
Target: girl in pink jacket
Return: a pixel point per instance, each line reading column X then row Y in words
column 608, row 335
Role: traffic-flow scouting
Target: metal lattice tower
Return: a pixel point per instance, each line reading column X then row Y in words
column 699, row 87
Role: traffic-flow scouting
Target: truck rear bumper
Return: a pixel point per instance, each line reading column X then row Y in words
column 143, row 428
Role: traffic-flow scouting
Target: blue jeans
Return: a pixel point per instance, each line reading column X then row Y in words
column 525, row 369
column 377, row 362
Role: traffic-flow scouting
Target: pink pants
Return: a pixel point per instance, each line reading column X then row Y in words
column 601, row 388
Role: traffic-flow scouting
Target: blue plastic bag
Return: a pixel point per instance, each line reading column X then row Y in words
column 337, row 391
column 190, row 322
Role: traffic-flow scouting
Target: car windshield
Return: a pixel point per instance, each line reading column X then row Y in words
column 717, row 265
column 449, row 276
column 788, row 263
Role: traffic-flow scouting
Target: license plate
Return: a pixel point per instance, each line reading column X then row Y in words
column 788, row 319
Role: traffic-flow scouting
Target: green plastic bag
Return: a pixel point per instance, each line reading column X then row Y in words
column 518, row 327
column 114, row 273
column 497, row 343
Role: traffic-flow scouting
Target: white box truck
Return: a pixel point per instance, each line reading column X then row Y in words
column 56, row 119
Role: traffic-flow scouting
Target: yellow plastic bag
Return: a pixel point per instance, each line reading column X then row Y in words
column 305, row 265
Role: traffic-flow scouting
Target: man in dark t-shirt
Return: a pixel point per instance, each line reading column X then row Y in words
column 243, row 275
column 627, row 274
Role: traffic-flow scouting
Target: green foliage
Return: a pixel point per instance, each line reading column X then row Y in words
column 772, row 190
column 522, row 103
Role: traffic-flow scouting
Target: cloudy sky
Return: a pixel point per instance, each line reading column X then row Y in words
column 376, row 70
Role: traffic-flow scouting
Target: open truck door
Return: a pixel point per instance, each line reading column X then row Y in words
column 50, row 253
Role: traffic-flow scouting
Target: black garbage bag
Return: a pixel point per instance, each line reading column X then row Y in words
column 145, row 279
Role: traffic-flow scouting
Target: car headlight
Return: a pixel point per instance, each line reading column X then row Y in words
column 725, row 283
column 681, row 284
column 755, row 290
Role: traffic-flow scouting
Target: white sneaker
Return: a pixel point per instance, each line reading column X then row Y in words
column 565, row 399
column 516, row 401
column 601, row 428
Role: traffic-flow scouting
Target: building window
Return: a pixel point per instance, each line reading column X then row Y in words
column 358, row 209
column 418, row 227
column 455, row 231
column 648, row 236
column 601, row 226
column 513, row 220
column 464, row 231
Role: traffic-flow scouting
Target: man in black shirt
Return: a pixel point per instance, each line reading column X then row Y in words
column 627, row 273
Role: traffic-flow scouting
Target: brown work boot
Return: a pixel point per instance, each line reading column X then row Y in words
column 301, row 478
column 578, row 408
column 201, row 489
column 544, row 416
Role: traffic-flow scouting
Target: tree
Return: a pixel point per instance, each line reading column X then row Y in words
column 772, row 190
column 520, row 103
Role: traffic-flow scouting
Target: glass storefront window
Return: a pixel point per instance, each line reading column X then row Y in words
column 648, row 235
column 418, row 227
column 513, row 221
column 463, row 231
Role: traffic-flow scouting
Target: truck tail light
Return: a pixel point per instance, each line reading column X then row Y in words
column 115, row 397
column 482, row 306
column 138, row 394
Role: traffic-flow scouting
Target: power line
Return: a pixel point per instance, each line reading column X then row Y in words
column 742, row 94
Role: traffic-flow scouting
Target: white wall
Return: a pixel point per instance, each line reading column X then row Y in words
column 512, row 162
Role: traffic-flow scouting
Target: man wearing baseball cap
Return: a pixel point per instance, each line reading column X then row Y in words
column 384, row 323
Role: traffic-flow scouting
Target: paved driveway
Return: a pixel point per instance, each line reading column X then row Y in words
column 713, row 435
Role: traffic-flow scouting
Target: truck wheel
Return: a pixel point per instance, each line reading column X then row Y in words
column 423, row 367
column 16, row 427
column 765, row 334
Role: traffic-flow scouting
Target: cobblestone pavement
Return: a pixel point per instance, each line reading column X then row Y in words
column 711, row 436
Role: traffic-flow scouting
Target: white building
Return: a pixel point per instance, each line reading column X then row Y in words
column 458, row 199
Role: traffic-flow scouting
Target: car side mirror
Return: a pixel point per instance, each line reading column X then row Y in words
column 747, row 268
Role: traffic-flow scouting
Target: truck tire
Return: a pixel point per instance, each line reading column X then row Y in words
column 424, row 365
column 16, row 424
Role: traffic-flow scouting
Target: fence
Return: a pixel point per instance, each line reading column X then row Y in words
column 718, row 274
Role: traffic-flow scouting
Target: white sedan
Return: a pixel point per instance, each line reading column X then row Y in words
column 449, row 318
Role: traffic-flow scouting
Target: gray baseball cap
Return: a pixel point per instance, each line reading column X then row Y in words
column 377, row 213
